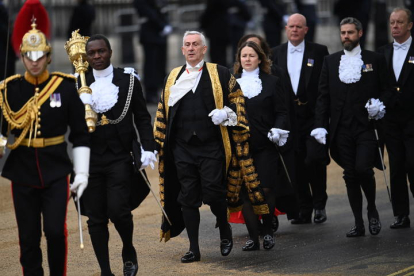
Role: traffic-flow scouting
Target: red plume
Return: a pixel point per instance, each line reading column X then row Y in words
column 30, row 9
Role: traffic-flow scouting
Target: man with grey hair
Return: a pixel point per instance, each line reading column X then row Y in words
column 399, row 122
column 353, row 93
column 200, row 109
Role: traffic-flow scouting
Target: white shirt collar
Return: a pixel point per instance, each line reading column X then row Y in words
column 198, row 66
column 353, row 52
column 250, row 74
column 300, row 46
column 407, row 42
column 103, row 73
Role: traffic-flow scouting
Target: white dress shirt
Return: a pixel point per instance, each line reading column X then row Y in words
column 188, row 81
column 400, row 53
column 294, row 63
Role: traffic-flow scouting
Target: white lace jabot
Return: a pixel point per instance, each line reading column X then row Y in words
column 250, row 83
column 104, row 92
column 350, row 66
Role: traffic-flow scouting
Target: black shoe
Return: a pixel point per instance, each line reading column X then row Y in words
column 268, row 242
column 226, row 244
column 251, row 246
column 301, row 220
column 275, row 224
column 356, row 231
column 130, row 268
column 190, row 257
column 401, row 222
column 374, row 226
column 320, row 216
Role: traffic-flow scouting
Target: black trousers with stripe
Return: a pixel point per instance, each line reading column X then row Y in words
column 30, row 205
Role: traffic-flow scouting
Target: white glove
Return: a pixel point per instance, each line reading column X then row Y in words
column 3, row 145
column 167, row 30
column 81, row 157
column 278, row 136
column 148, row 158
column 375, row 108
column 218, row 116
column 86, row 98
column 320, row 135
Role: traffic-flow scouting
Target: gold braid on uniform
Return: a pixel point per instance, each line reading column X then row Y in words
column 159, row 134
column 160, row 127
column 240, row 166
column 15, row 120
column 241, row 169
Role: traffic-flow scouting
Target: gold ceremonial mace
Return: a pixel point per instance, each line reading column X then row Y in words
column 76, row 49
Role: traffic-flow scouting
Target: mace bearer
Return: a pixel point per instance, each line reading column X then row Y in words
column 76, row 50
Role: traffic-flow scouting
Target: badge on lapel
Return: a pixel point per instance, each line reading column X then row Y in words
column 310, row 62
column 411, row 60
column 367, row 68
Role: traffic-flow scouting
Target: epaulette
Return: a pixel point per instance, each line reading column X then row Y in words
column 9, row 79
column 130, row 70
column 68, row 76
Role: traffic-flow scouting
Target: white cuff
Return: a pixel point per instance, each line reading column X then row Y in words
column 231, row 117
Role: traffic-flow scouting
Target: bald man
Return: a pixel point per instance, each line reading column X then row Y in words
column 399, row 122
column 303, row 60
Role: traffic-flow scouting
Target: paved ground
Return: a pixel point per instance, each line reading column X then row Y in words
column 300, row 249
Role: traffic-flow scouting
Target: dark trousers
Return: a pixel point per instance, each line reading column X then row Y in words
column 200, row 167
column 399, row 139
column 310, row 12
column 310, row 176
column 107, row 197
column 357, row 150
column 155, row 61
column 311, row 185
column 30, row 205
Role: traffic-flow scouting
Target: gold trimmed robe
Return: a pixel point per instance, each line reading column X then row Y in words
column 239, row 165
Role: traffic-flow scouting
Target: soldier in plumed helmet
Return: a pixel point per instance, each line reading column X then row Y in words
column 38, row 108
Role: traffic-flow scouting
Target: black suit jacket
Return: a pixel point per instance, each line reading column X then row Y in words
column 309, row 76
column 331, row 100
column 265, row 111
column 137, row 113
column 403, row 88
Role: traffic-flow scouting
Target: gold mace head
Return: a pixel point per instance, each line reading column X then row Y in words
column 76, row 46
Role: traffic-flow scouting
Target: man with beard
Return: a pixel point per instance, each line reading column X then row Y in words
column 351, row 101
column 399, row 121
